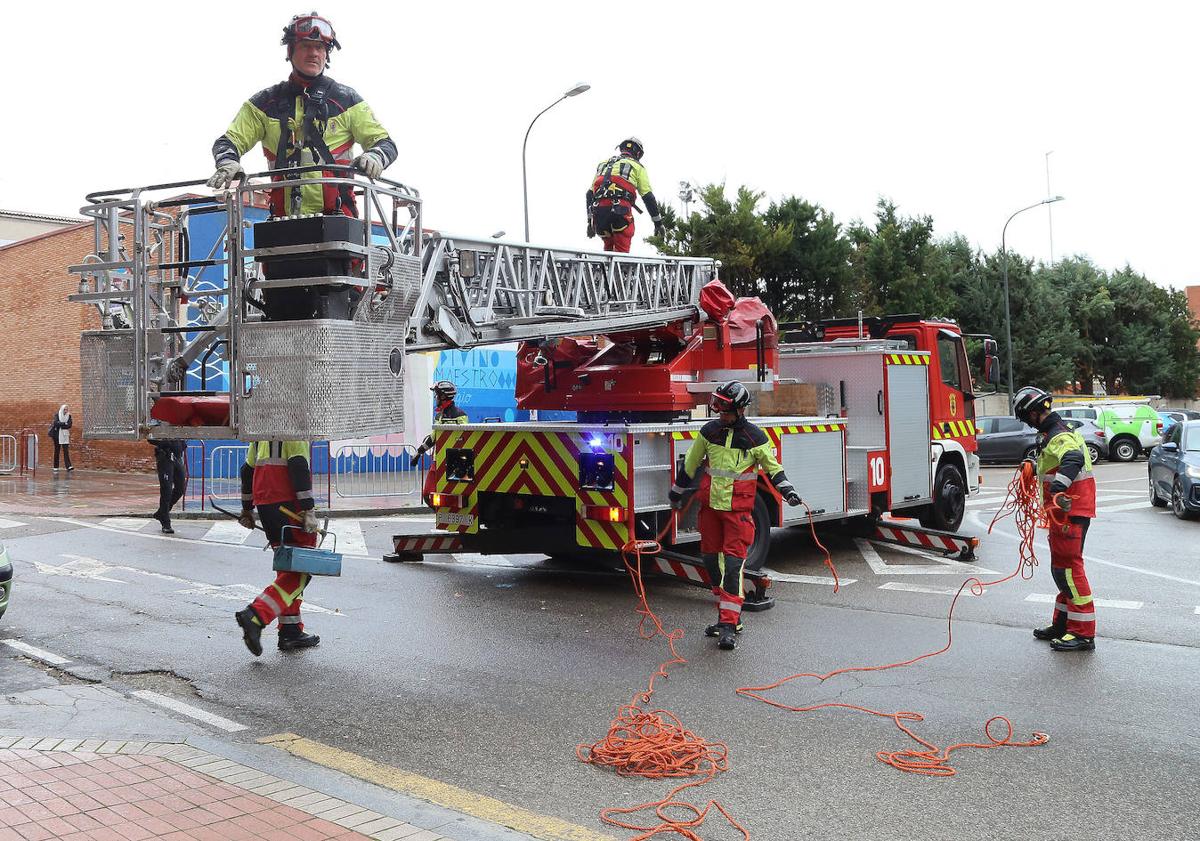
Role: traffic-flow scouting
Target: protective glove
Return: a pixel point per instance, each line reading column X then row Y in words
column 1062, row 502
column 310, row 523
column 659, row 228
column 370, row 163
column 226, row 174
column 247, row 520
column 676, row 498
column 591, row 232
column 414, row 460
column 794, row 499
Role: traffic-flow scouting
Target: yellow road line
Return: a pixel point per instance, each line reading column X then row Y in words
column 443, row 794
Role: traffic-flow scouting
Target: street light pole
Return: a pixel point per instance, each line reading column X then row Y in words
column 1007, row 313
column 575, row 91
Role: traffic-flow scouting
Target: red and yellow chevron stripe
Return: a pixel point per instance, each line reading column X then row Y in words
column 537, row 463
column 908, row 358
column 954, row 429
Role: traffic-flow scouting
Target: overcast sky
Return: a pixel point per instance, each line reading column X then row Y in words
column 946, row 108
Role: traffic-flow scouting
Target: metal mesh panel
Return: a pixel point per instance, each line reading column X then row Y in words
column 110, row 390
column 397, row 307
column 320, row 379
column 652, row 469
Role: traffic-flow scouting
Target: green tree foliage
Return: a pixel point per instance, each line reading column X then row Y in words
column 1071, row 322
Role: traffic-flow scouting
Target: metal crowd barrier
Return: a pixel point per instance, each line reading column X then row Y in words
column 8, row 454
column 370, row 470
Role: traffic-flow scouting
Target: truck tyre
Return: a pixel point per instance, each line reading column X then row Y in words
column 756, row 555
column 1124, row 449
column 949, row 500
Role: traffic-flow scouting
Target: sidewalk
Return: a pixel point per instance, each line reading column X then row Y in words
column 104, row 493
column 90, row 763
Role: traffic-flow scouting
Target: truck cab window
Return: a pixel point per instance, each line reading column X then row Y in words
column 947, row 351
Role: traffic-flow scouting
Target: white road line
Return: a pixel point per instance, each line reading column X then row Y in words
column 1198, row 610
column 191, row 712
column 36, row 653
column 1128, row 506
column 9, row 524
column 350, row 539
column 126, row 523
column 475, row 559
column 917, row 588
column 227, row 531
column 1120, row 604
column 826, row 580
column 941, row 566
column 1091, row 559
column 79, row 567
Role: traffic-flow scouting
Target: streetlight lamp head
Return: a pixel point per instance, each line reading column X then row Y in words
column 1054, row 199
column 578, row 89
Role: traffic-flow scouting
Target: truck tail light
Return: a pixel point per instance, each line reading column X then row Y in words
column 604, row 513
column 445, row 500
column 1158, row 427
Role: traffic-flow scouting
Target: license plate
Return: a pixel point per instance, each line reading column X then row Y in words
column 450, row 518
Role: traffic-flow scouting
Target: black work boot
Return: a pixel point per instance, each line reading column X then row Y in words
column 727, row 640
column 292, row 637
column 252, row 629
column 1050, row 632
column 715, row 630
column 164, row 521
column 1070, row 642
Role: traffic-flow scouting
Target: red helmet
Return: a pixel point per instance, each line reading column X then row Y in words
column 310, row 27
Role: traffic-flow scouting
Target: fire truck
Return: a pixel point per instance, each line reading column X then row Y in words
column 317, row 314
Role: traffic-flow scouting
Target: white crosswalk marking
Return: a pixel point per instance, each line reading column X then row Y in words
column 940, row 566
column 127, row 523
column 826, row 580
column 475, row 559
column 1120, row 604
column 1128, row 506
column 917, row 588
column 227, row 531
column 350, row 539
column 9, row 524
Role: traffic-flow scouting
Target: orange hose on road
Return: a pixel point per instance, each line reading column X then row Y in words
column 1023, row 502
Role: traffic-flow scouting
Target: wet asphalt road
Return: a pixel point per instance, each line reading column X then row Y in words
column 486, row 673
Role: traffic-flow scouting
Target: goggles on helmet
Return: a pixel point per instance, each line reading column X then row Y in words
column 314, row 27
column 720, row 403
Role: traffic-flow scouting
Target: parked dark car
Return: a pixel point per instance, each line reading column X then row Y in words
column 1174, row 468
column 1005, row 439
column 5, row 579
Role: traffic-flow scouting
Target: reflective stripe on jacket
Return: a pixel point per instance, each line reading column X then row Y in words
column 618, row 179
column 734, row 455
column 277, row 471
column 1062, row 442
column 342, row 119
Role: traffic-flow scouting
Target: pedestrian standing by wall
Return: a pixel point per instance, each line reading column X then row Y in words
column 61, row 436
column 169, row 460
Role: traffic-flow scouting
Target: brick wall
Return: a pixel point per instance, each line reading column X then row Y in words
column 39, row 347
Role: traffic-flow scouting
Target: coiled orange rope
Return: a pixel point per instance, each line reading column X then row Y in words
column 655, row 744
column 1022, row 501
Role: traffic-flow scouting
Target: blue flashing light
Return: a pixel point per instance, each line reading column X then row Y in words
column 597, row 443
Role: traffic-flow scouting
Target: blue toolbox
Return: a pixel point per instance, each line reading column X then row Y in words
column 313, row 561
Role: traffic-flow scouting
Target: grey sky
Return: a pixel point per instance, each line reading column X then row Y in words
column 946, row 108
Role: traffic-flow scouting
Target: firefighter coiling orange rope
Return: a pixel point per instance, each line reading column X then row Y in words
column 1023, row 502
column 654, row 744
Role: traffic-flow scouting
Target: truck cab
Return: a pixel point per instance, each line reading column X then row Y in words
column 952, row 393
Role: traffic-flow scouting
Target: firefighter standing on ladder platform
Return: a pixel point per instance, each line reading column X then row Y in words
column 612, row 196
column 445, row 411
column 277, row 479
column 306, row 120
column 735, row 450
column 1064, row 467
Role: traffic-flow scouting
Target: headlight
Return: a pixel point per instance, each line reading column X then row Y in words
column 1193, row 470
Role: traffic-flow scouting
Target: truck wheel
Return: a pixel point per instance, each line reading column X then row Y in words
column 1124, row 449
column 756, row 556
column 949, row 500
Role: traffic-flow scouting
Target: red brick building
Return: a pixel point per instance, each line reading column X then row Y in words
column 39, row 346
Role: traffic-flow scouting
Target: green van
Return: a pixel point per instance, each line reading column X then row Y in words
column 1131, row 428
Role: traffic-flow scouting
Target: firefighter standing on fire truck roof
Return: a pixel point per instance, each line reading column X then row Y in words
column 1064, row 467
column 305, row 120
column 735, row 450
column 610, row 200
column 444, row 393
column 276, row 478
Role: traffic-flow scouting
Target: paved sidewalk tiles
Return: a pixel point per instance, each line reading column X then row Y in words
column 94, row 790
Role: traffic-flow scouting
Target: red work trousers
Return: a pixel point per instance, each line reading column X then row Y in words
column 614, row 224
column 282, row 598
column 725, row 538
column 1073, row 608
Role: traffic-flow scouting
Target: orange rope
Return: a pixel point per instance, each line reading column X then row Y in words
column 1021, row 501
column 655, row 744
